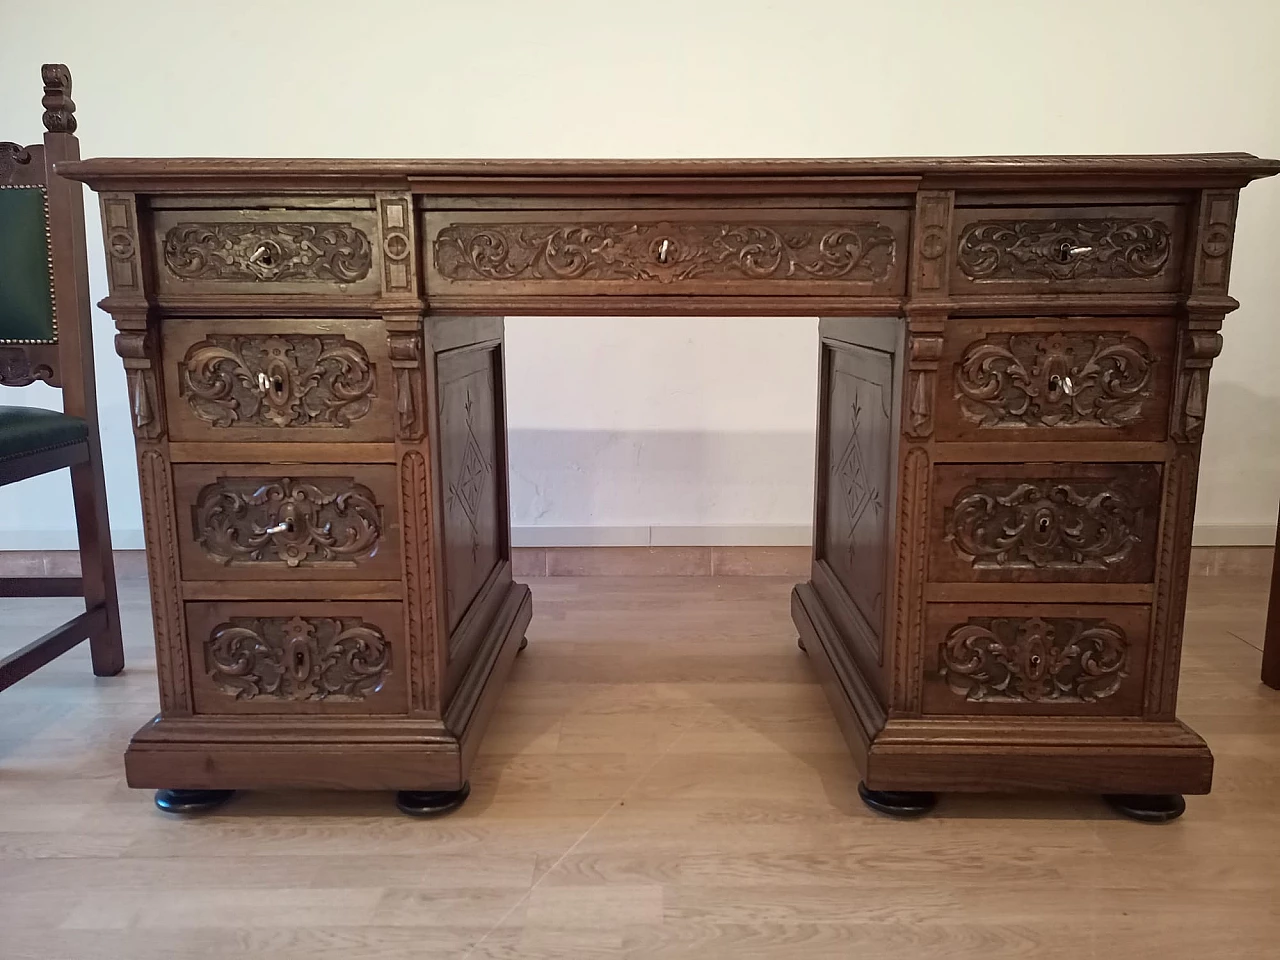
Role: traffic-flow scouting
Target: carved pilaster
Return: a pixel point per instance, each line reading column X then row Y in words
column 120, row 240
column 395, row 219
column 1215, row 236
column 419, row 594
column 160, row 525
column 913, row 529
column 931, row 243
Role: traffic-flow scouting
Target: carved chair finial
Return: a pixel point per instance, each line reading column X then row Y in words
column 59, row 108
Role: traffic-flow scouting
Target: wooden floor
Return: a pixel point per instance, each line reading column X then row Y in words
column 663, row 780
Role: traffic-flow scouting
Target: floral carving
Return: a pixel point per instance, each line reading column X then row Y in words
column 298, row 658
column 248, row 252
column 665, row 252
column 1102, row 249
column 278, row 381
column 1060, row 380
column 1029, row 659
column 333, row 521
column 1006, row 524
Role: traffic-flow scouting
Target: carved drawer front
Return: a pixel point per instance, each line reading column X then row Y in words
column 1029, row 659
column 666, row 252
column 1060, row 379
column 295, row 522
column 218, row 252
column 1068, row 249
column 302, row 657
column 315, row 381
column 1045, row 522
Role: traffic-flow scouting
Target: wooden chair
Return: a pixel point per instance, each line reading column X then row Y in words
column 45, row 335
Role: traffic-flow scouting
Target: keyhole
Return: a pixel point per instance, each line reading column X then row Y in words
column 1035, row 660
column 261, row 255
column 299, row 660
column 1043, row 524
column 664, row 251
column 1065, row 249
column 277, row 384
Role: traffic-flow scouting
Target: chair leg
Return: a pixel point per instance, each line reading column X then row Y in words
column 97, row 567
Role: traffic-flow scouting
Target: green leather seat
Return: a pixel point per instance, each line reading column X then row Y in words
column 26, row 430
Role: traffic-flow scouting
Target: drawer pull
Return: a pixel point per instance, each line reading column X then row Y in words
column 664, row 251
column 284, row 526
column 261, row 255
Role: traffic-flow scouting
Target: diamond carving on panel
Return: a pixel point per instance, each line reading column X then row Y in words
column 857, row 490
column 467, row 487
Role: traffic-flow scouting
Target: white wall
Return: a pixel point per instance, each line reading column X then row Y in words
column 621, row 424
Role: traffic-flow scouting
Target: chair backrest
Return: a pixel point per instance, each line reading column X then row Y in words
column 44, row 287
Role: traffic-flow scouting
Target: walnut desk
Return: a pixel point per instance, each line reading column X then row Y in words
column 1014, row 367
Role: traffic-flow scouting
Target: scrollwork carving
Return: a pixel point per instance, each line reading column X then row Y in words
column 1035, row 660
column 12, row 156
column 268, row 252
column 1094, row 249
column 665, row 252
column 292, row 380
column 1059, row 380
column 329, row 521
column 1043, row 524
column 298, row 658
column 17, row 369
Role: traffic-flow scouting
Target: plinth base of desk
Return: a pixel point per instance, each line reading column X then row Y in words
column 989, row 754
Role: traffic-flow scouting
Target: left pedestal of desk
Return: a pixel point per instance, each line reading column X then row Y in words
column 323, row 479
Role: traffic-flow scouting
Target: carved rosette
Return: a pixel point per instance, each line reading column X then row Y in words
column 1034, row 660
column 120, row 238
column 298, row 658
column 396, row 226
column 1101, row 249
column 329, row 521
column 1058, row 380
column 269, row 252
column 18, row 369
column 665, row 252
column 1043, row 525
column 293, row 380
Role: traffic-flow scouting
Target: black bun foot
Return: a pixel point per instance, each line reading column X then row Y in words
column 898, row 803
column 191, row 801
column 524, row 642
column 800, row 644
column 1147, row 807
column 431, row 803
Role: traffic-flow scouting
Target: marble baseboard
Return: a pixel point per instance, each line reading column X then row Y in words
column 630, row 562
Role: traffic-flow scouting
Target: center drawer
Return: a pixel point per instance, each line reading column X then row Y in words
column 296, row 522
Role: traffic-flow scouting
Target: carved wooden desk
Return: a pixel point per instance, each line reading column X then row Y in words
column 1014, row 366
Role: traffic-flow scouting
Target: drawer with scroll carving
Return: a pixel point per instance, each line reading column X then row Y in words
column 305, row 657
column 1044, row 522
column 1069, row 379
column 296, row 522
column 1068, row 249
column 1049, row 659
column 666, row 252
column 306, row 380
column 203, row 252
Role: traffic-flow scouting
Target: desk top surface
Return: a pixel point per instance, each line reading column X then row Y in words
column 155, row 174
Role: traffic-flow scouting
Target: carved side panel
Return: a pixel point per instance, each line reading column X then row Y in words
column 859, row 442
column 299, row 658
column 1036, row 659
column 1041, row 522
column 469, row 460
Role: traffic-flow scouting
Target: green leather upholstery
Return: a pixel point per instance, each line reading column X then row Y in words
column 26, row 287
column 25, row 430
